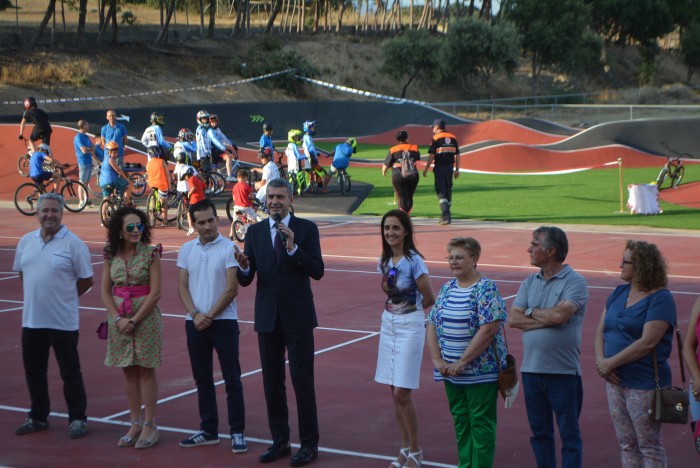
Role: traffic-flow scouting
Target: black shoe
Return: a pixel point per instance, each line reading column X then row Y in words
column 274, row 452
column 304, row 456
column 31, row 425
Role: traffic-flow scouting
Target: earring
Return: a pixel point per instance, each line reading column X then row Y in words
column 121, row 237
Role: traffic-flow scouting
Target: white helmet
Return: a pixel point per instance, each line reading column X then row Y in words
column 44, row 147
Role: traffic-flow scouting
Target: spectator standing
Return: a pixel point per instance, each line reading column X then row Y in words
column 402, row 159
column 131, row 286
column 691, row 356
column 84, row 153
column 549, row 308
column 42, row 127
column 114, row 131
column 55, row 270
column 207, row 288
column 444, row 152
column 285, row 254
column 638, row 320
column 406, row 282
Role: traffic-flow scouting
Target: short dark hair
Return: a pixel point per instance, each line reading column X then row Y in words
column 203, row 205
column 554, row 237
column 279, row 183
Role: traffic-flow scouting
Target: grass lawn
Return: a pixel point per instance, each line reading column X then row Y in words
column 589, row 197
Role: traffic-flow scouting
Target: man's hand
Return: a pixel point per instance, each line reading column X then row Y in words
column 290, row 236
column 20, row 137
column 201, row 321
column 242, row 260
column 457, row 174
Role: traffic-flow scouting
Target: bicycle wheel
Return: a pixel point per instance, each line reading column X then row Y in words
column 292, row 179
column 107, row 210
column 347, row 182
column 229, row 209
column 173, row 204
column 239, row 230
column 93, row 185
column 23, row 165
column 75, row 196
column 677, row 176
column 661, row 179
column 182, row 220
column 152, row 209
column 219, row 183
column 138, row 181
column 27, row 198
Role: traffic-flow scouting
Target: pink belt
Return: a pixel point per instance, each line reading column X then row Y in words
column 127, row 293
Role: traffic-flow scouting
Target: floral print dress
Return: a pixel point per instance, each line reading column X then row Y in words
column 143, row 347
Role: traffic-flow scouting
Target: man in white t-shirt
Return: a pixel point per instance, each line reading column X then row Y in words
column 269, row 172
column 55, row 269
column 207, row 286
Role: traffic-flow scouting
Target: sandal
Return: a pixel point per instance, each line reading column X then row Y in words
column 403, row 453
column 127, row 441
column 416, row 458
column 146, row 443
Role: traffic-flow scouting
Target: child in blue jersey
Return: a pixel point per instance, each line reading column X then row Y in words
column 221, row 146
column 308, row 142
column 203, row 141
column 186, row 145
column 341, row 159
column 40, row 167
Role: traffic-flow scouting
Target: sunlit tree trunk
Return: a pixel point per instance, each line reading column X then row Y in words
column 273, row 16
column 164, row 29
column 50, row 10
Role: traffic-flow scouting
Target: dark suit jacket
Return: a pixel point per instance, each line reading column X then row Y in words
column 283, row 290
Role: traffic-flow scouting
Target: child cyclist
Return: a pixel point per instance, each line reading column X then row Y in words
column 341, row 159
column 243, row 196
column 159, row 180
column 221, row 146
column 295, row 158
column 112, row 177
column 195, row 193
column 41, row 168
column 42, row 127
column 185, row 143
column 153, row 140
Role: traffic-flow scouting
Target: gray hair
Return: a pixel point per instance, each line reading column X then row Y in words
column 279, row 183
column 554, row 237
column 50, row 196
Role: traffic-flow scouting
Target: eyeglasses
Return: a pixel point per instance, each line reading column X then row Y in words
column 456, row 258
column 131, row 226
column 391, row 277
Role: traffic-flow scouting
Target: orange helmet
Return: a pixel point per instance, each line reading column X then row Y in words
column 112, row 145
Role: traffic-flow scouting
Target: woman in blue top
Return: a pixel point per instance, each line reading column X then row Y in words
column 638, row 319
column 463, row 329
column 407, row 285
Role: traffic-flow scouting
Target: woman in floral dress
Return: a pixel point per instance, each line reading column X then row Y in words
column 131, row 284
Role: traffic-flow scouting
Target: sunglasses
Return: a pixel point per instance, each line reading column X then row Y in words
column 391, row 278
column 131, row 226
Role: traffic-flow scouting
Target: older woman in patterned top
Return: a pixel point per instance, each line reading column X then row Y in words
column 464, row 331
column 130, row 291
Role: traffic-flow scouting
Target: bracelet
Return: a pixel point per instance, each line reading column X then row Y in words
column 117, row 318
column 192, row 313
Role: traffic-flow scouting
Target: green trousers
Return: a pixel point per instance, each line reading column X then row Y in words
column 473, row 409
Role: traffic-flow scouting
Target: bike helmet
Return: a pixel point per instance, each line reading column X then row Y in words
column 213, row 118
column 30, row 102
column 112, row 145
column 353, row 143
column 44, row 147
column 265, row 153
column 158, row 118
column 180, row 156
column 402, row 135
column 201, row 115
column 294, row 135
column 189, row 171
column 267, row 127
column 309, row 124
column 185, row 134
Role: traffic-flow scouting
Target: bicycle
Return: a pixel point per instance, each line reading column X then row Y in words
column 27, row 194
column 241, row 222
column 139, row 180
column 673, row 170
column 153, row 207
column 109, row 206
column 183, row 221
column 23, row 162
column 344, row 181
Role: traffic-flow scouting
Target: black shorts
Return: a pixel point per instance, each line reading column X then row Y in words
column 45, row 137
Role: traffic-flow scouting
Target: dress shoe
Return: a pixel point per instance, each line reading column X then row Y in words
column 304, row 456
column 274, row 452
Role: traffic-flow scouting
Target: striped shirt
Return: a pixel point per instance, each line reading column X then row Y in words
column 457, row 316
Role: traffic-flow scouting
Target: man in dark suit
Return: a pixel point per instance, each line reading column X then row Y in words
column 285, row 252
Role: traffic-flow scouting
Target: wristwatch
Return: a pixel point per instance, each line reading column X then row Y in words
column 528, row 311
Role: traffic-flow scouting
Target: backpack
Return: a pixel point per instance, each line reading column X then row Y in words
column 408, row 165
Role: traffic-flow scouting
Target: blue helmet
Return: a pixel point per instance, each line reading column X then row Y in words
column 308, row 124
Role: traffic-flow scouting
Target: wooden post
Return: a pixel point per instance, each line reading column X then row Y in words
column 619, row 166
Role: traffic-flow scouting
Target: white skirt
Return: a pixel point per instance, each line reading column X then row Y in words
column 401, row 343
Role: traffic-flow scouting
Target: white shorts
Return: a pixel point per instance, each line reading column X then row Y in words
column 401, row 343
column 248, row 211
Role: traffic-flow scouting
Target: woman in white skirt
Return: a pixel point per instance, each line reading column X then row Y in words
column 406, row 282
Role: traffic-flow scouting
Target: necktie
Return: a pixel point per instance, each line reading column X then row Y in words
column 279, row 248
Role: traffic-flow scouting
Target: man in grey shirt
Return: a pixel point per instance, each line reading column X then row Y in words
column 549, row 308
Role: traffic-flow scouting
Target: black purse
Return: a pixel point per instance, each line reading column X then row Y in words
column 670, row 404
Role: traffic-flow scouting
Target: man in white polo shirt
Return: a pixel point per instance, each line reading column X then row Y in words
column 55, row 269
column 207, row 286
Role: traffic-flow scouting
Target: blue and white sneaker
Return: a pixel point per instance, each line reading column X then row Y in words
column 238, row 444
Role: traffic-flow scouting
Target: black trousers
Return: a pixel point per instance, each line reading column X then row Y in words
column 300, row 349
column 36, row 343
column 405, row 188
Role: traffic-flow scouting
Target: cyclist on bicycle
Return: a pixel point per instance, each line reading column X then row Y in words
column 41, row 167
column 112, row 177
column 153, row 140
column 185, row 144
column 308, row 142
column 221, row 146
column 266, row 138
column 159, row 179
column 269, row 172
column 203, row 141
column 42, row 126
column 341, row 159
column 294, row 157
column 181, row 167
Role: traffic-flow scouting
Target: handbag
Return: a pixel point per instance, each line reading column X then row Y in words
column 102, row 330
column 670, row 404
column 508, row 375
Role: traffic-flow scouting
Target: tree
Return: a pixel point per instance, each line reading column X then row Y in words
column 550, row 29
column 50, row 11
column 690, row 48
column 410, row 55
column 80, row 42
column 475, row 47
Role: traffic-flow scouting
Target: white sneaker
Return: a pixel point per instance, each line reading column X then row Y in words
column 190, row 231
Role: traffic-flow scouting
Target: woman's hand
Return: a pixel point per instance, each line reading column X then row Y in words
column 125, row 326
column 441, row 366
column 454, row 368
column 696, row 389
column 606, row 371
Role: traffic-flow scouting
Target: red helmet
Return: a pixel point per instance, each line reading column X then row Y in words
column 30, row 102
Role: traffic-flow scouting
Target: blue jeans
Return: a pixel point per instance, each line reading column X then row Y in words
column 84, row 173
column 560, row 395
column 221, row 336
